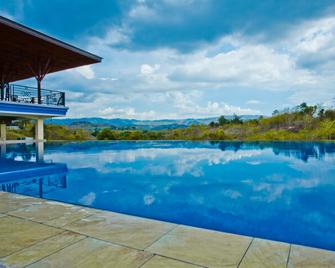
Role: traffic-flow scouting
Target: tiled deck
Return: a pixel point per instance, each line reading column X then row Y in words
column 39, row 233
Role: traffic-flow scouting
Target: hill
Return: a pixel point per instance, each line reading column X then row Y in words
column 96, row 123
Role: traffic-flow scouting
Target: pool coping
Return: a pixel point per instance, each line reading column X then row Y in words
column 152, row 242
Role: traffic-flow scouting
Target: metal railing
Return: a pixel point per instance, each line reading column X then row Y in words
column 25, row 94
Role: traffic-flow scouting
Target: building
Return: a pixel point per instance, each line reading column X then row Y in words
column 26, row 53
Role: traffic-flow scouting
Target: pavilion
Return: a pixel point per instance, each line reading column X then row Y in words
column 26, row 53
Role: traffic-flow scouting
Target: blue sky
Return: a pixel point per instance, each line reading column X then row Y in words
column 189, row 58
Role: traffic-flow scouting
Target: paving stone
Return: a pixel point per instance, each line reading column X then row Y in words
column 69, row 217
column 162, row 262
column 40, row 250
column 307, row 257
column 10, row 201
column 16, row 234
column 94, row 253
column 121, row 229
column 202, row 247
column 56, row 214
column 265, row 253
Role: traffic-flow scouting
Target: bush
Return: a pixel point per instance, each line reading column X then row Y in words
column 106, row 134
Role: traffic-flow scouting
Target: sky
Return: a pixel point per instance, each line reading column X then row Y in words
column 189, row 58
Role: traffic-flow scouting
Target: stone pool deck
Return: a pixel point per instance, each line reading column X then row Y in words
column 39, row 233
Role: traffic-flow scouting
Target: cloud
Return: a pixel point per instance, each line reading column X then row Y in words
column 248, row 65
column 129, row 83
column 187, row 25
column 129, row 113
column 147, row 69
column 253, row 102
column 85, row 71
column 187, row 107
column 313, row 44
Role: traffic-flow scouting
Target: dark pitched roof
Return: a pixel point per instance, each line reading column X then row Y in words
column 23, row 49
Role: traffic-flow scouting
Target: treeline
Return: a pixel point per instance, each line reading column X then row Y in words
column 302, row 122
column 26, row 128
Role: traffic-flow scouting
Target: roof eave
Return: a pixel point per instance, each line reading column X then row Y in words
column 49, row 39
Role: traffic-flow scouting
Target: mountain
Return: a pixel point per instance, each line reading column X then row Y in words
column 92, row 123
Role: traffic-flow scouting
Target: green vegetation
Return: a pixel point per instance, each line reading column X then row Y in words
column 52, row 132
column 300, row 123
column 303, row 122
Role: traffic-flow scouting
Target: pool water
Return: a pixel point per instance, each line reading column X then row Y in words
column 282, row 191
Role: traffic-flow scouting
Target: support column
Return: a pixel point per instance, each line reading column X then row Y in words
column 39, row 130
column 3, row 132
column 3, row 150
column 39, row 151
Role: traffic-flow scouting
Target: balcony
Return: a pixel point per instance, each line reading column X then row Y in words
column 16, row 100
column 25, row 94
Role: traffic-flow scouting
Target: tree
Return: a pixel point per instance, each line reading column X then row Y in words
column 106, row 134
column 330, row 114
column 321, row 113
column 213, row 124
column 275, row 112
column 304, row 109
column 236, row 120
column 223, row 121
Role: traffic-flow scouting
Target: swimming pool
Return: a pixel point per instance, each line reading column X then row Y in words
column 282, row 191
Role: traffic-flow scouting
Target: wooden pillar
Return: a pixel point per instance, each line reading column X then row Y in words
column 39, row 95
column 39, row 130
column 3, row 129
column 2, row 91
column 40, row 68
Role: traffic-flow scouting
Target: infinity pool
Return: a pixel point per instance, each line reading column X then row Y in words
column 281, row 191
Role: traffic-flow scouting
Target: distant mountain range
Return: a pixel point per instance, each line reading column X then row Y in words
column 92, row 123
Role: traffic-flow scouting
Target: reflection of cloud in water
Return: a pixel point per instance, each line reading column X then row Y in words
column 272, row 190
column 254, row 163
column 232, row 194
column 88, row 199
column 148, row 199
column 181, row 160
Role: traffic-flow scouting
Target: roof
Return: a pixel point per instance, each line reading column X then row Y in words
column 22, row 47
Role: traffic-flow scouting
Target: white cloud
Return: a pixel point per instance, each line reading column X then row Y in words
column 129, row 113
column 187, row 107
column 147, row 69
column 114, row 36
column 131, row 83
column 253, row 102
column 248, row 65
column 142, row 12
column 85, row 71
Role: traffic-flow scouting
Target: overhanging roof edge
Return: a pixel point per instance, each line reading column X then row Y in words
column 48, row 38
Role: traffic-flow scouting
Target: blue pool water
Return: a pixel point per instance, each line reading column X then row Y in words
column 281, row 191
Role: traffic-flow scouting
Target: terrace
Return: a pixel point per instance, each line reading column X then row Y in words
column 18, row 101
column 25, row 94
